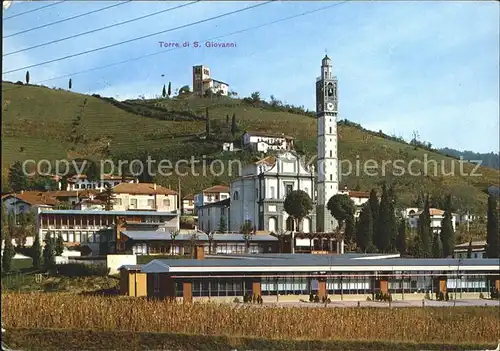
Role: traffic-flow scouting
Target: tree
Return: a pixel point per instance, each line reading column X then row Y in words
column 341, row 207
column 401, row 239
column 49, row 252
column 394, row 225
column 193, row 240
column 5, row 222
column 437, row 247
column 469, row 250
column 36, row 252
column 364, row 228
column 424, row 230
column 70, row 84
column 93, row 171
column 374, row 208
column 207, row 122
column 222, row 224
column 17, row 179
column 19, row 231
column 227, row 120
column 109, row 198
column 27, row 77
column 247, row 231
column 255, row 98
column 164, row 91
column 8, row 253
column 298, row 205
column 169, row 91
column 174, row 235
column 350, row 230
column 184, row 90
column 447, row 233
column 59, row 245
column 233, row 125
column 492, row 229
column 384, row 223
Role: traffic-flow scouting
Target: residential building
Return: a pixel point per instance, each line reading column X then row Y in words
column 144, row 197
column 79, row 182
column 209, row 195
column 349, row 276
column 94, row 228
column 72, row 197
column 436, row 214
column 28, row 201
column 358, row 197
column 210, row 215
column 188, row 204
column 202, row 81
column 228, row 146
column 259, row 194
column 264, row 142
column 478, row 249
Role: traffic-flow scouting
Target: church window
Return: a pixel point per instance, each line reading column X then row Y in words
column 331, row 153
column 330, row 130
column 289, row 188
column 235, row 196
column 272, row 192
column 331, row 176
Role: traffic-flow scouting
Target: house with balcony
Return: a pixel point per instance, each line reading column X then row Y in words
column 210, row 195
column 145, row 197
column 264, row 142
column 188, row 205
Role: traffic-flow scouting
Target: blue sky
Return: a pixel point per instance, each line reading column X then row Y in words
column 430, row 67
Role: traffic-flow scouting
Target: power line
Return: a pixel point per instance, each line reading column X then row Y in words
column 99, row 29
column 135, row 39
column 39, row 8
column 67, row 19
column 175, row 48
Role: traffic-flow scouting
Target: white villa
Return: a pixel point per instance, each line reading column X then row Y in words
column 263, row 142
column 80, row 182
column 437, row 216
column 259, row 194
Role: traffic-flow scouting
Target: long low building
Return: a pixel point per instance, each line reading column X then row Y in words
column 355, row 276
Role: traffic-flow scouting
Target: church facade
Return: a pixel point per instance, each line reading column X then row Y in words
column 259, row 194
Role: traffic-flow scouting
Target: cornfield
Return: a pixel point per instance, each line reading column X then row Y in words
column 70, row 311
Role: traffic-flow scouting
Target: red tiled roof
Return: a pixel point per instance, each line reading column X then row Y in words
column 360, row 194
column 35, row 198
column 268, row 134
column 188, row 197
column 142, row 189
column 217, row 189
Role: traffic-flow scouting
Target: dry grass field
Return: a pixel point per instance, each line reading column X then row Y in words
column 471, row 325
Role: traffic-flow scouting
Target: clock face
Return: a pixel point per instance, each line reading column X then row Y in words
column 329, row 106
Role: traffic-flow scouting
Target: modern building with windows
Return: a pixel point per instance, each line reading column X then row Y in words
column 259, row 194
column 214, row 217
column 349, row 276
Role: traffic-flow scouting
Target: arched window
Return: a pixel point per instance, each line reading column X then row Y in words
column 235, row 195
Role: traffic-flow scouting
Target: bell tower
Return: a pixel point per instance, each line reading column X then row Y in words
column 326, row 112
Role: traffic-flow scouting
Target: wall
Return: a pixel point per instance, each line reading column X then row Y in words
column 114, row 262
column 164, row 203
column 209, row 217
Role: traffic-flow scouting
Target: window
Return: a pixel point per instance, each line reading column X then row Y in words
column 118, row 201
column 331, row 153
column 166, row 202
column 235, row 196
column 77, row 186
column 330, row 130
column 151, row 203
column 306, row 191
column 331, row 176
column 289, row 188
column 89, row 186
column 156, row 283
column 133, row 203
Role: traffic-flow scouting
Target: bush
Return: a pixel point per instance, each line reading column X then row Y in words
column 447, row 296
column 316, row 298
column 236, row 300
column 311, row 297
column 481, row 296
column 82, row 270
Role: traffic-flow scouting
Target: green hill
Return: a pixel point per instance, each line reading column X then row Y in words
column 39, row 123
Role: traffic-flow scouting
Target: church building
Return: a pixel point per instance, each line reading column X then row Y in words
column 259, row 194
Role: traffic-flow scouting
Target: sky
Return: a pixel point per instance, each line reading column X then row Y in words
column 430, row 68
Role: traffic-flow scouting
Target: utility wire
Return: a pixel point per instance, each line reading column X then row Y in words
column 66, row 19
column 39, row 8
column 99, row 29
column 175, row 48
column 135, row 39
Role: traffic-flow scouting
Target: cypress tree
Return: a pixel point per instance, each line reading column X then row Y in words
column 350, row 229
column 492, row 229
column 437, row 247
column 8, row 252
column 233, row 125
column 447, row 233
column 207, row 122
column 59, row 245
column 48, row 252
column 17, row 179
column 394, row 225
column 401, row 239
column 70, row 84
column 364, row 229
column 374, row 208
column 169, row 92
column 36, row 252
column 164, row 91
column 424, row 231
column 27, row 77
column 385, row 223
